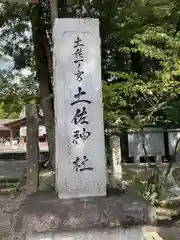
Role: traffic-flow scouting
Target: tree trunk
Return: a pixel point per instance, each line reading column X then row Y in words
column 43, row 68
column 136, row 62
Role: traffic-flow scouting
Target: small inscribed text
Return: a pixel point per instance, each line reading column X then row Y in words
column 79, row 75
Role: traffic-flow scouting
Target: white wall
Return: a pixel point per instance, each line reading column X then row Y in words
column 154, row 143
column 42, row 131
column 174, row 135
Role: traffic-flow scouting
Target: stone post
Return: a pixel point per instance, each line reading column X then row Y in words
column 116, row 160
column 159, row 159
column 32, row 146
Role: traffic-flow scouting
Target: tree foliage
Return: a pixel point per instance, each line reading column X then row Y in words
column 140, row 56
column 145, row 87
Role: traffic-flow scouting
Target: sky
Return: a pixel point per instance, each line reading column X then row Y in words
column 2, row 64
column 5, row 64
column 8, row 64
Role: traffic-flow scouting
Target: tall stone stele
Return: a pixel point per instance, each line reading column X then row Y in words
column 80, row 153
column 79, row 127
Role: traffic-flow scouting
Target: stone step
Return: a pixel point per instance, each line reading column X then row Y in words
column 152, row 236
column 103, row 234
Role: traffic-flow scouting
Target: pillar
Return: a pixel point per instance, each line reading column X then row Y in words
column 115, row 147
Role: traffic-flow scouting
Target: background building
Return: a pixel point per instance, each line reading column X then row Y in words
column 13, row 131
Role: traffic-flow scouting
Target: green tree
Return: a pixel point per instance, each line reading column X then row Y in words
column 148, row 82
column 140, row 54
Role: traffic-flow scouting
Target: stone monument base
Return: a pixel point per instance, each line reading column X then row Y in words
column 120, row 216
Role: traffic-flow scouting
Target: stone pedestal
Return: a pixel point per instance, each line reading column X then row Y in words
column 44, row 216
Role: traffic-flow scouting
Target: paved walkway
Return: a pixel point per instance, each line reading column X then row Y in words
column 12, row 170
column 19, row 149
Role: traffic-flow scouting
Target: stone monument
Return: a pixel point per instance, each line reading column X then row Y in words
column 82, row 210
column 80, row 151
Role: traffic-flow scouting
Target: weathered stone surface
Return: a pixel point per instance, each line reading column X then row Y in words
column 93, row 234
column 135, row 233
column 79, row 128
column 115, row 147
column 44, row 212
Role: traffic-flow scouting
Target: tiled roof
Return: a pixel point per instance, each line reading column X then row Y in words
column 3, row 128
column 8, row 122
column 4, row 121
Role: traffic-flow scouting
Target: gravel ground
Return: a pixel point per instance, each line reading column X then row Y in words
column 8, row 206
column 5, row 217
